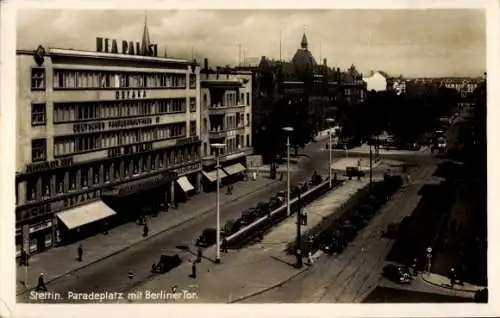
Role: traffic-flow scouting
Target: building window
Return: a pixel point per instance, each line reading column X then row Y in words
column 38, row 114
column 205, row 102
column 192, row 127
column 37, row 79
column 248, row 120
column 248, row 98
column 192, row 104
column 192, row 81
column 38, row 150
column 248, row 141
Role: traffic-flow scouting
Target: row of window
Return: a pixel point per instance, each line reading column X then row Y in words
column 49, row 185
column 222, row 123
column 75, row 79
column 69, row 112
column 229, row 98
column 232, row 145
column 80, row 143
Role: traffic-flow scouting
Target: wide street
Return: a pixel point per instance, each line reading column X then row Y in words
column 111, row 274
column 350, row 276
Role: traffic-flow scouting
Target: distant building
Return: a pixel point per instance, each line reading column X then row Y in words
column 303, row 82
column 461, row 85
column 226, row 114
column 377, row 81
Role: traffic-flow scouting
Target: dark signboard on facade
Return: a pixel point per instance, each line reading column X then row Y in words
column 48, row 165
column 105, row 45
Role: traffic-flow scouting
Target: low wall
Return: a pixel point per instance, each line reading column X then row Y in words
column 252, row 229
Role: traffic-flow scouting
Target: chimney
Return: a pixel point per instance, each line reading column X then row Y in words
column 324, row 61
column 206, row 64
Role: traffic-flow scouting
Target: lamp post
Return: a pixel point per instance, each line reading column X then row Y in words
column 330, row 121
column 288, row 131
column 217, row 167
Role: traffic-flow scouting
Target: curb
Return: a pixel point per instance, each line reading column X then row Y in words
column 447, row 287
column 143, row 240
column 271, row 287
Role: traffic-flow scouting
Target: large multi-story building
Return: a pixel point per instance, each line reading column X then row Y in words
column 226, row 115
column 302, row 83
column 101, row 129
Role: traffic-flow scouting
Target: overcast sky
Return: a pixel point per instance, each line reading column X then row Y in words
column 409, row 42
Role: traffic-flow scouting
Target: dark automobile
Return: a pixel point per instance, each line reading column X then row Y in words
column 166, row 263
column 354, row 172
column 207, row 237
column 274, row 203
column 248, row 216
column 316, row 179
column 333, row 244
column 281, row 196
column 262, row 209
column 231, row 227
column 397, row 273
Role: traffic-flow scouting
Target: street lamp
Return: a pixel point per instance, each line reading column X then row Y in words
column 330, row 121
column 217, row 167
column 288, row 131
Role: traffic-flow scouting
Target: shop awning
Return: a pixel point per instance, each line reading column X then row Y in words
column 141, row 184
column 234, row 169
column 185, row 184
column 85, row 214
column 212, row 175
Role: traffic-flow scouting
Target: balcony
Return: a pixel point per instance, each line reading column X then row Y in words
column 221, row 110
column 222, row 133
column 237, row 153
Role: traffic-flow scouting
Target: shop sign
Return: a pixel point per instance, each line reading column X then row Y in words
column 105, row 45
column 188, row 140
column 187, row 169
column 40, row 226
column 88, row 127
column 48, row 165
column 130, row 94
column 130, row 122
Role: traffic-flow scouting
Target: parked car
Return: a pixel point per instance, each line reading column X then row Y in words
column 166, row 263
column 231, row 227
column 274, row 203
column 248, row 216
column 397, row 273
column 354, row 172
column 333, row 244
column 207, row 237
column 262, row 209
column 281, row 195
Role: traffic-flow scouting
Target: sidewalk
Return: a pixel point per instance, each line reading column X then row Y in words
column 365, row 149
column 249, row 271
column 444, row 282
column 120, row 238
column 329, row 204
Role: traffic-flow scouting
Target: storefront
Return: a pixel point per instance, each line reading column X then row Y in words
column 37, row 236
column 81, row 221
column 210, row 179
column 235, row 172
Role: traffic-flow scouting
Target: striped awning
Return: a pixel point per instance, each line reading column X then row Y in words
column 234, row 169
column 185, row 184
column 85, row 214
column 212, row 175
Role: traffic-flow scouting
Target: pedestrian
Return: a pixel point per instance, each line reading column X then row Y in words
column 310, row 260
column 453, row 277
column 414, row 267
column 105, row 228
column 199, row 255
column 304, row 217
column 254, row 176
column 408, row 178
column 231, row 188
column 281, row 176
column 193, row 270
column 167, row 206
column 80, row 253
column 145, row 230
column 224, row 245
column 41, row 283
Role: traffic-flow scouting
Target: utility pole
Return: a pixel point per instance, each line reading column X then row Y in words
column 298, row 240
column 371, row 165
column 239, row 54
column 280, row 45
